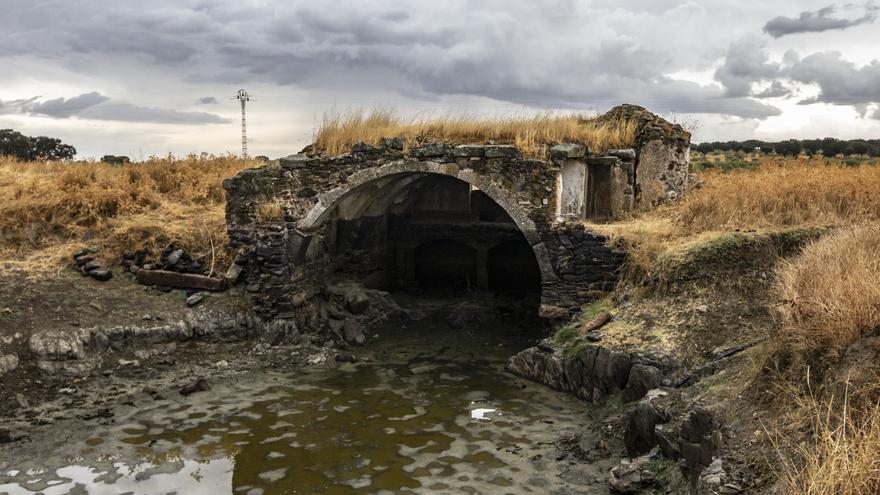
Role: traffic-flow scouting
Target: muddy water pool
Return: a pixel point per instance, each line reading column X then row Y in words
column 427, row 410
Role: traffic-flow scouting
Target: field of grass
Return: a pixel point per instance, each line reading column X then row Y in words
column 50, row 210
column 532, row 135
column 776, row 194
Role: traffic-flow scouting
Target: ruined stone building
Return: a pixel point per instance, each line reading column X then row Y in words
column 461, row 215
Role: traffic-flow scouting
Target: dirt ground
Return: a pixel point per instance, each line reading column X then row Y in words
column 67, row 301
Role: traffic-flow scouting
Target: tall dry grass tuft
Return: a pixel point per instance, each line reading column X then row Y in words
column 783, row 192
column 840, row 453
column 49, row 209
column 830, row 294
column 338, row 131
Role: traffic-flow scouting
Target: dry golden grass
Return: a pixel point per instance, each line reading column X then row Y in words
column 269, row 210
column 532, row 135
column 51, row 209
column 779, row 194
column 841, row 452
column 830, row 294
column 783, row 192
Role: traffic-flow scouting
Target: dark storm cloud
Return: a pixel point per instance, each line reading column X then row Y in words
column 95, row 106
column 63, row 108
column 558, row 53
column 816, row 21
column 127, row 112
column 840, row 81
column 775, row 90
column 746, row 63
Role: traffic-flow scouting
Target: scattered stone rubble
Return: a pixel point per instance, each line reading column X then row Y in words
column 90, row 265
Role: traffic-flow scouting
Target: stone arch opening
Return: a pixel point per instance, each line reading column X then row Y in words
column 512, row 268
column 413, row 229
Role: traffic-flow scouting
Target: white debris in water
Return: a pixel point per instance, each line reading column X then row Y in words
column 274, row 475
column 480, row 413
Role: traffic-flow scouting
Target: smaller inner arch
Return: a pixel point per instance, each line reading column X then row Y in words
column 445, row 264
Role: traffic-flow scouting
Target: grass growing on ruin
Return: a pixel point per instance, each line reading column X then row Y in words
column 51, row 209
column 269, row 210
column 531, row 135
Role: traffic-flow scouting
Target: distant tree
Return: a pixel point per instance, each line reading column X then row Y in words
column 46, row 148
column 832, row 147
column 25, row 148
column 115, row 160
column 15, row 144
column 792, row 147
column 811, row 146
column 856, row 147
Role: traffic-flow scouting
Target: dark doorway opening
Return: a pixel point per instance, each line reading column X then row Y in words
column 512, row 268
column 445, row 264
column 599, row 192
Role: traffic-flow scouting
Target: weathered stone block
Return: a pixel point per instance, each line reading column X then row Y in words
column 501, row 151
column 470, row 150
column 627, row 155
column 568, row 150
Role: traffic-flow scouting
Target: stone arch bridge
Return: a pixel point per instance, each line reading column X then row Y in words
column 472, row 216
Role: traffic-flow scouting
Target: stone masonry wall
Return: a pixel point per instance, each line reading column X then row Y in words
column 285, row 257
column 285, row 260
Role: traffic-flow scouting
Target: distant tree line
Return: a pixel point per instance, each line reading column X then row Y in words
column 794, row 147
column 26, row 148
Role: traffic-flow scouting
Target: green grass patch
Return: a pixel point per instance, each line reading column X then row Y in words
column 567, row 337
column 594, row 309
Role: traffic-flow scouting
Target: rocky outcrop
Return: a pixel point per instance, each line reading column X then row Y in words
column 78, row 352
column 699, row 441
column 640, row 435
column 592, row 373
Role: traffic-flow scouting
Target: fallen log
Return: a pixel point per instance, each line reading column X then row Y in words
column 166, row 278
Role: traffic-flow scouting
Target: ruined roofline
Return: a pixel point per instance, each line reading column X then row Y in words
column 625, row 126
column 449, row 152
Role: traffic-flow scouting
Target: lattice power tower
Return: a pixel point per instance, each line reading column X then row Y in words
column 243, row 97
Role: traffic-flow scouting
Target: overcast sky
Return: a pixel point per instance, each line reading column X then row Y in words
column 143, row 78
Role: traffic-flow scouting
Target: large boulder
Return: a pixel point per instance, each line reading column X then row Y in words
column 640, row 436
column 642, row 377
column 699, row 442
